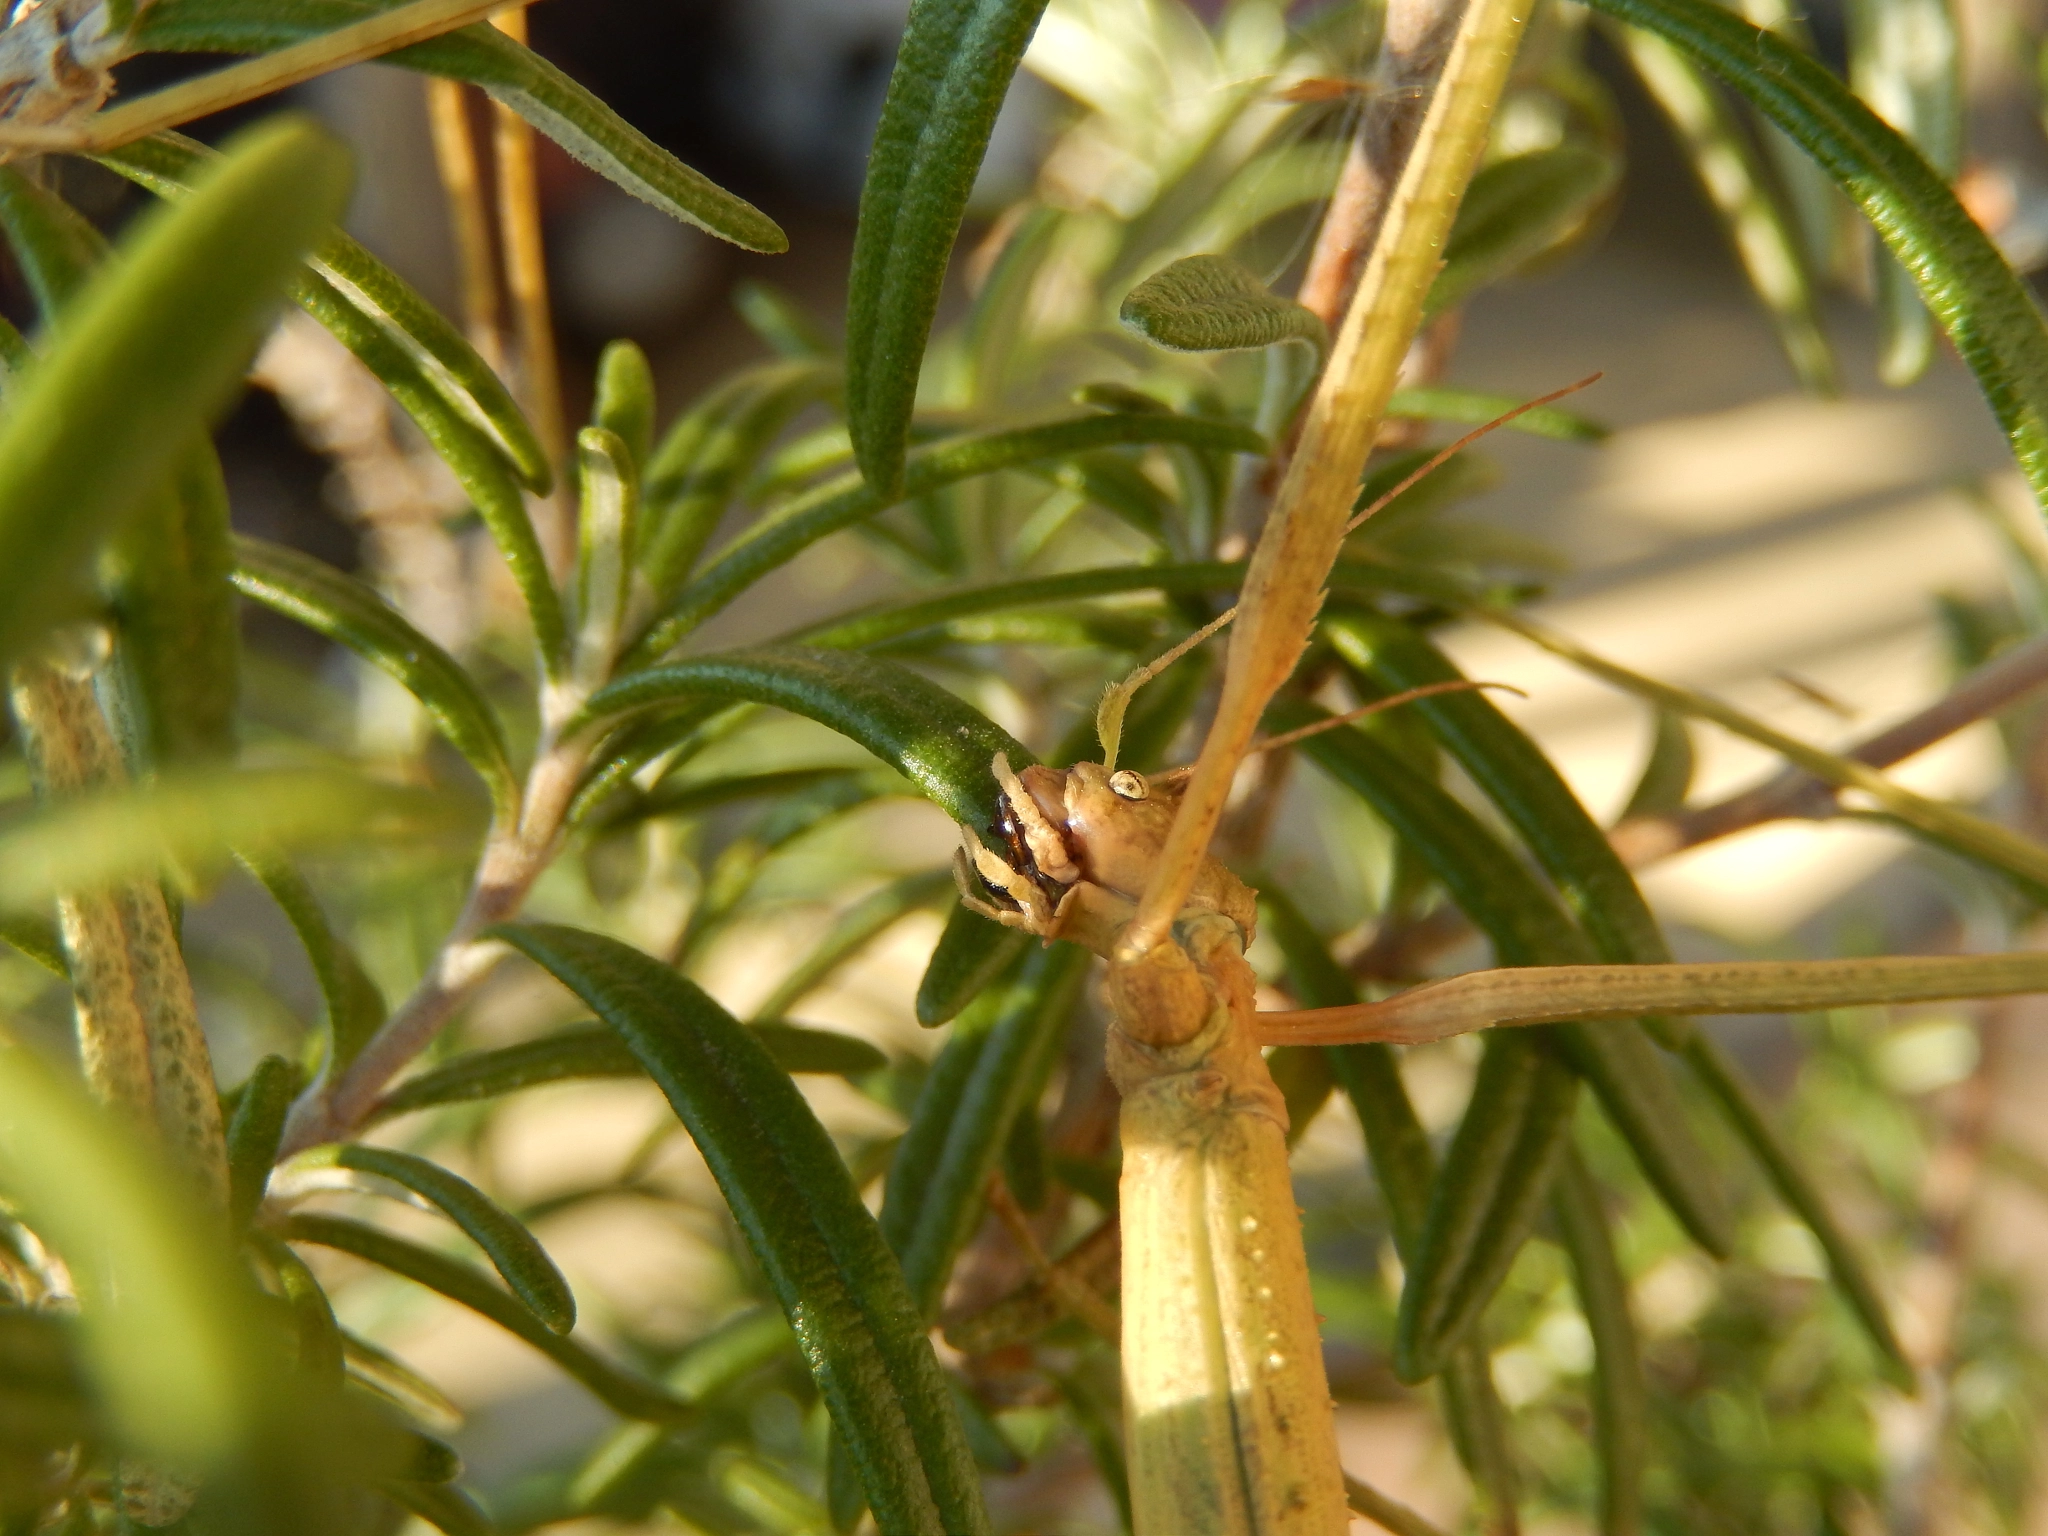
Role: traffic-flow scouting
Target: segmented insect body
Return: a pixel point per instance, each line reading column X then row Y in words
column 1226, row 1405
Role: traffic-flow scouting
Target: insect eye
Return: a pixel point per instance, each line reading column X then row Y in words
column 1129, row 785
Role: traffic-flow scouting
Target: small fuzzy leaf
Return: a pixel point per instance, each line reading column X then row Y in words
column 624, row 402
column 1216, row 304
column 822, row 1254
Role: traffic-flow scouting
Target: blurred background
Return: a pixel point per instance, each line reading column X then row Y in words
column 1800, row 554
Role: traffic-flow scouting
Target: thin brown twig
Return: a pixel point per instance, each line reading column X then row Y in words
column 1067, row 1288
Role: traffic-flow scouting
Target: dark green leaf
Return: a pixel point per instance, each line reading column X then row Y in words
column 1980, row 302
column 1217, row 304
column 617, row 1389
column 254, row 1133
column 933, row 738
column 483, row 56
column 445, row 1508
column 1621, row 1406
column 145, row 355
column 595, row 1050
column 513, row 1251
column 36, row 937
column 340, row 270
column 971, row 953
column 953, row 69
column 55, row 245
column 821, row 1251
column 844, row 502
column 321, row 1352
column 355, row 1008
column 1667, row 773
column 991, row 1070
column 779, row 320
column 349, row 613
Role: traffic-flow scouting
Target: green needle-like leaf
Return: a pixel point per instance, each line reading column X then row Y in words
column 253, row 1135
column 933, row 738
column 953, row 69
column 355, row 1008
column 972, row 951
column 595, row 1050
column 1978, row 299
column 340, row 271
column 1516, row 209
column 513, row 1251
column 341, row 608
column 145, row 355
column 850, row 499
column 824, row 1257
column 556, row 105
column 617, row 1389
column 991, row 1070
column 1621, row 1406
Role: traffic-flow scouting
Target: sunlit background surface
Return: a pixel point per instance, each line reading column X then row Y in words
column 1737, row 534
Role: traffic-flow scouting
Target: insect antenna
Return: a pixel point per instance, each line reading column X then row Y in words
column 1116, row 698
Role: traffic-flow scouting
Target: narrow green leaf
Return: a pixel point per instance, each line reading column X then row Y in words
column 159, row 1310
column 821, row 1251
column 513, row 1251
column 933, row 738
column 624, row 403
column 779, row 320
column 595, row 1050
column 146, row 354
column 709, row 452
column 849, row 500
column 1667, row 773
column 1621, row 1399
column 556, row 105
column 971, row 953
column 1438, row 402
column 54, row 244
column 607, row 526
column 1496, row 1174
column 1760, row 226
column 1846, row 1267
column 36, row 936
column 392, row 1379
column 345, row 611
column 168, row 163
column 193, row 822
column 322, row 1354
column 447, row 1509
column 355, row 1007
column 617, row 1389
column 991, row 1070
column 1905, row 60
column 953, row 69
column 1986, row 310
column 254, row 1133
column 1516, row 209
column 180, row 651
column 1216, row 304
column 856, row 928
